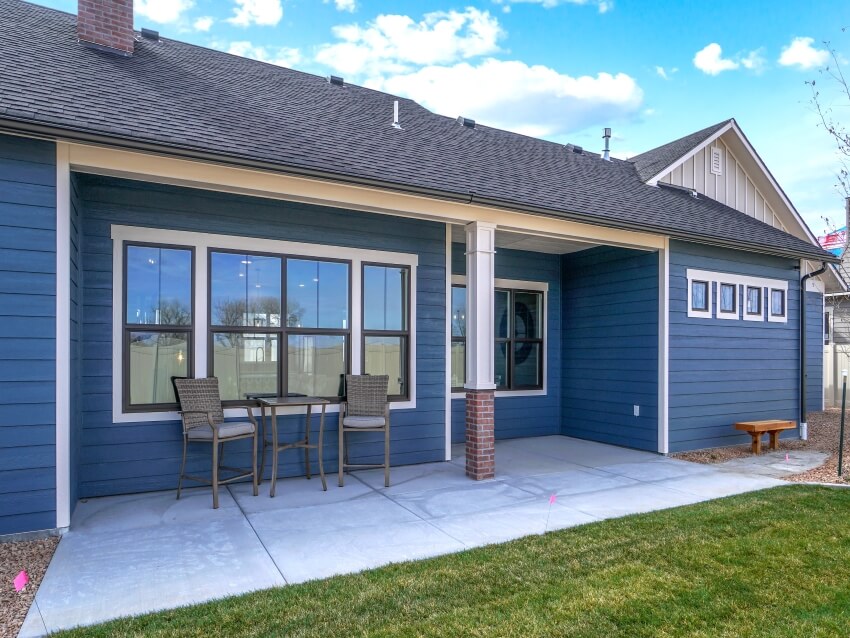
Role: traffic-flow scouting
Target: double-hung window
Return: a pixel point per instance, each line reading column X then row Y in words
column 519, row 318
column 158, row 323
column 386, row 325
column 245, row 326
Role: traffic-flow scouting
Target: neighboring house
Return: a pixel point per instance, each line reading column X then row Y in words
column 836, row 318
column 169, row 209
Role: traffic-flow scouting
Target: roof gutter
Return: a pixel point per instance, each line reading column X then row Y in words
column 804, row 426
column 52, row 132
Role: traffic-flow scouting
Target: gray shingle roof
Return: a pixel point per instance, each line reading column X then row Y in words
column 179, row 96
column 650, row 163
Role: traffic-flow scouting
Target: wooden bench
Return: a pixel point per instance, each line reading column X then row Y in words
column 757, row 428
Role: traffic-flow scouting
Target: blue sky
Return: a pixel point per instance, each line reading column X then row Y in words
column 564, row 69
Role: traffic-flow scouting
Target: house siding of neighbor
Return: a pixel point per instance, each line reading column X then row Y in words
column 508, row 286
column 27, row 334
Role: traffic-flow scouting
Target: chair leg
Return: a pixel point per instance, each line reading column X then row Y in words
column 387, row 456
column 215, row 475
column 182, row 467
column 254, row 466
column 340, row 454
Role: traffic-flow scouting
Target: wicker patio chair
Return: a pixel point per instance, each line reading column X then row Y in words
column 203, row 422
column 365, row 409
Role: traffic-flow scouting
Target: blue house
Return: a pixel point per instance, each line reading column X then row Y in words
column 168, row 209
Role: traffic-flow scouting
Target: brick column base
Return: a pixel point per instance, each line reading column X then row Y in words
column 480, row 439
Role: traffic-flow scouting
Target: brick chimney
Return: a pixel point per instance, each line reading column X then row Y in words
column 106, row 24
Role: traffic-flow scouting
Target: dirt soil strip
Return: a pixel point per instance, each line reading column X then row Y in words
column 824, row 428
column 32, row 557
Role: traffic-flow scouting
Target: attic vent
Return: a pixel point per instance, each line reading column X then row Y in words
column 465, row 121
column 578, row 149
column 150, row 34
column 336, row 80
column 716, row 161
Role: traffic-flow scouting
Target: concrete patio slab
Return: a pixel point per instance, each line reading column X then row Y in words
column 132, row 554
column 33, row 625
column 95, row 576
column 304, row 556
column 776, row 464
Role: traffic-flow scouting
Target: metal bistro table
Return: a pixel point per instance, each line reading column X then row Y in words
column 289, row 402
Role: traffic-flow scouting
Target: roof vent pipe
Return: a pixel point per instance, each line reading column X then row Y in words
column 606, row 152
column 395, row 115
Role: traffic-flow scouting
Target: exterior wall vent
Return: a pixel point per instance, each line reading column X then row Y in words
column 716, row 161
column 336, row 80
column 465, row 121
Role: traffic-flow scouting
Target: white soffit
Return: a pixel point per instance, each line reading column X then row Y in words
column 531, row 243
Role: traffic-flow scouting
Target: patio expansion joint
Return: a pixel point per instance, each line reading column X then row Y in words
column 407, row 509
column 251, row 525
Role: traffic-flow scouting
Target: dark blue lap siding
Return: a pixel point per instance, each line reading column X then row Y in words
column 610, row 333
column 27, row 335
column 724, row 371
column 128, row 457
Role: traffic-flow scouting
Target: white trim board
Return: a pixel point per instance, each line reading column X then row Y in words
column 715, row 278
column 63, row 337
column 202, row 242
column 516, row 284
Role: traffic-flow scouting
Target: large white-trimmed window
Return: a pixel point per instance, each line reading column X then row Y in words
column 268, row 317
column 386, row 323
column 158, row 318
column 737, row 296
column 519, row 316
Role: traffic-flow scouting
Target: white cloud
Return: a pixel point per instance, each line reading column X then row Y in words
column 603, row 6
column 665, row 73
column 260, row 12
column 802, row 54
column 344, row 5
column 710, row 60
column 203, row 23
column 281, row 56
column 754, row 61
column 397, row 43
column 163, row 11
column 533, row 100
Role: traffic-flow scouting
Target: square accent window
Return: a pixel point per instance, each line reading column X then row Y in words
column 754, row 301
column 777, row 303
column 729, row 298
column 700, row 296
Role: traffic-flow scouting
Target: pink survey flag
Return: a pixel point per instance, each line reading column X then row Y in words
column 21, row 581
column 552, row 499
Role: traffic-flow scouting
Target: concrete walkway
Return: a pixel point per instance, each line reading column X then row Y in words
column 127, row 555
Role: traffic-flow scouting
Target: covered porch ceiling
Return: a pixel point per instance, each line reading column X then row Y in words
column 529, row 242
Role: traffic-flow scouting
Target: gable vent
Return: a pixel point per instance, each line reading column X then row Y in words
column 716, row 161
column 465, row 121
column 336, row 80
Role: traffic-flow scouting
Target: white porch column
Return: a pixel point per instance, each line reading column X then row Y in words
column 480, row 345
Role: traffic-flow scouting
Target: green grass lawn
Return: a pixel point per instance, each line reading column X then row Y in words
column 772, row 563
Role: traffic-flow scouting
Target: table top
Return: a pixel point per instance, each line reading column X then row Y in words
column 296, row 401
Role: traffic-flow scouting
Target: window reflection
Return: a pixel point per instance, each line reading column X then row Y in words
column 159, row 286
column 385, row 298
column 316, row 294
column 245, row 290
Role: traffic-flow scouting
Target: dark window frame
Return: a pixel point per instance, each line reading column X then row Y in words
column 284, row 331
column 459, row 339
column 826, row 328
column 720, row 309
column 511, row 340
column 784, row 303
column 707, row 285
column 403, row 334
column 127, row 329
column 760, row 311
